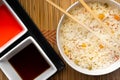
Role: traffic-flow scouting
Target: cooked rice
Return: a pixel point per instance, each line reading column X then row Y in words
column 83, row 47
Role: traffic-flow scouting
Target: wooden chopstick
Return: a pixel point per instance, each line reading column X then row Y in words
column 89, row 9
column 109, row 31
column 76, row 20
column 69, row 15
column 94, row 15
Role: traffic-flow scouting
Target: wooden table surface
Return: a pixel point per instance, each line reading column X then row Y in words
column 46, row 18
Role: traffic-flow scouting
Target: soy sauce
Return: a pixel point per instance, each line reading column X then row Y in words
column 29, row 63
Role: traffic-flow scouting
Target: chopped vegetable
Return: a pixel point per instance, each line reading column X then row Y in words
column 84, row 45
column 89, row 67
column 66, row 51
column 117, row 17
column 101, row 16
column 91, row 58
column 76, row 62
column 101, row 46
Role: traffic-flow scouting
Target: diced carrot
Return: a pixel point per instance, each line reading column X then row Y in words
column 117, row 17
column 101, row 46
column 101, row 16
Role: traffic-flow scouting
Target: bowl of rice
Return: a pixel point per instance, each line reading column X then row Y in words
column 80, row 48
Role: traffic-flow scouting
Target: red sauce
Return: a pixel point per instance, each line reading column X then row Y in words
column 9, row 27
column 29, row 63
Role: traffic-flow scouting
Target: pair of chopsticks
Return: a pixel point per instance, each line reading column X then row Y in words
column 76, row 20
column 69, row 15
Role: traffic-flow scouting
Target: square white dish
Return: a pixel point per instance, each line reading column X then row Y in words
column 11, row 73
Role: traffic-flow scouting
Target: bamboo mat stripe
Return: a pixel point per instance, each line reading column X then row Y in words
column 50, row 35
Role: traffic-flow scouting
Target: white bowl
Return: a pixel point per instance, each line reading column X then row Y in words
column 107, row 70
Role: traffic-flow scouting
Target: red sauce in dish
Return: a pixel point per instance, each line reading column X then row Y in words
column 9, row 26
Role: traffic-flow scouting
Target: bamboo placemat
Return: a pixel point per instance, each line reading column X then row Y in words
column 46, row 18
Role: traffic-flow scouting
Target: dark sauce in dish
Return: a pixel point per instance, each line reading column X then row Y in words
column 29, row 63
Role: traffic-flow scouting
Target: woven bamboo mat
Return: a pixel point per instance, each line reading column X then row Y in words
column 46, row 18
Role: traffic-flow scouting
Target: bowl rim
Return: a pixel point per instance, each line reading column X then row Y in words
column 98, row 72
